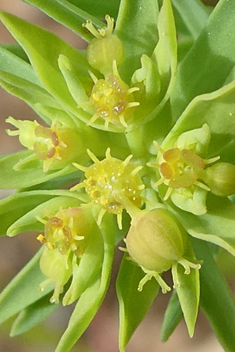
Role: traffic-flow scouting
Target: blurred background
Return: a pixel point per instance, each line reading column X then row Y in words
column 102, row 335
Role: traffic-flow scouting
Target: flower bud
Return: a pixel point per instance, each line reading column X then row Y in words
column 220, row 178
column 105, row 48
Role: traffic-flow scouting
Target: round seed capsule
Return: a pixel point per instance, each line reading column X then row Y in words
column 220, row 178
column 155, row 240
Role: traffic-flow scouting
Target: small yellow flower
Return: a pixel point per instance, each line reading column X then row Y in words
column 65, row 240
column 110, row 182
column 55, row 145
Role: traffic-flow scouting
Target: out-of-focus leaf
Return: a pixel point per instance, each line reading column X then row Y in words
column 67, row 14
column 98, row 8
column 33, row 315
column 16, row 50
column 22, row 290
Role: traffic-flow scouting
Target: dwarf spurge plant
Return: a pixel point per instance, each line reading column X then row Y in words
column 136, row 151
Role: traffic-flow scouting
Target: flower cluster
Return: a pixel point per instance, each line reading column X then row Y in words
column 114, row 162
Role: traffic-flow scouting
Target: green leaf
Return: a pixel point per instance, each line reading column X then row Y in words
column 33, row 315
column 173, row 315
column 137, row 20
column 56, row 182
column 22, row 290
column 70, row 72
column 44, row 59
column 188, row 292
column 93, row 296
column 33, row 95
column 28, row 176
column 217, row 110
column 98, row 8
column 165, row 53
column 14, row 65
column 67, row 14
column 216, row 226
column 133, row 305
column 18, row 78
column 84, row 311
column 16, row 50
column 15, row 206
column 193, row 14
column 216, row 300
column 29, row 221
column 88, row 267
column 209, row 62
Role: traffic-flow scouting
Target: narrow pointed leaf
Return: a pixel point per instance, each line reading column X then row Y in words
column 133, row 305
column 173, row 315
column 217, row 300
column 138, row 20
column 188, row 292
